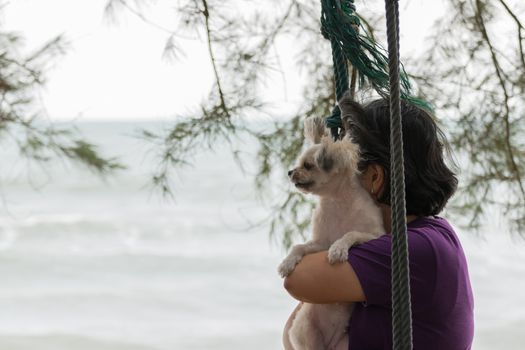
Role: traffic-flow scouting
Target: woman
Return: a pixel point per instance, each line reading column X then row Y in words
column 442, row 302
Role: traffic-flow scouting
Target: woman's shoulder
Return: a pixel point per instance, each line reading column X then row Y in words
column 424, row 228
column 428, row 237
column 424, row 223
column 434, row 232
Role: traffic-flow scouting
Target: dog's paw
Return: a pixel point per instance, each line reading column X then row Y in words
column 338, row 251
column 288, row 265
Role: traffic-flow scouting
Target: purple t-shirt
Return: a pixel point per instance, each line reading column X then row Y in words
column 441, row 295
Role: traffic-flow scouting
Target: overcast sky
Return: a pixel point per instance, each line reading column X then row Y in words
column 116, row 71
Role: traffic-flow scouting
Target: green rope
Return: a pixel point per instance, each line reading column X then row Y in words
column 341, row 25
column 338, row 22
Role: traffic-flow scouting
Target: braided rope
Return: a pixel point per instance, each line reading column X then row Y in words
column 401, row 309
column 341, row 81
column 340, row 70
column 340, row 25
column 340, row 63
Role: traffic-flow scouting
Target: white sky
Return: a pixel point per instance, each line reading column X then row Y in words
column 115, row 71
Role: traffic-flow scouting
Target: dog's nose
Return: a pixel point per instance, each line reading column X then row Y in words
column 290, row 173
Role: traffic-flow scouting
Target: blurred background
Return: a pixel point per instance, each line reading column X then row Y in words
column 144, row 202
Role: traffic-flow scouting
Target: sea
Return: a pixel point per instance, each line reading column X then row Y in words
column 108, row 263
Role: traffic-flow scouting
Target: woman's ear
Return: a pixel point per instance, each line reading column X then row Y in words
column 378, row 180
column 373, row 179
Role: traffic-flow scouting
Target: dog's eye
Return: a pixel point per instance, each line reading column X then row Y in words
column 308, row 166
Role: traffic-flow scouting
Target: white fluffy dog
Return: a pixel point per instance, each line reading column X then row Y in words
column 345, row 215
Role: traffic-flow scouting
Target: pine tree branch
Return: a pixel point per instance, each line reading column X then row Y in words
column 205, row 12
column 520, row 33
column 506, row 116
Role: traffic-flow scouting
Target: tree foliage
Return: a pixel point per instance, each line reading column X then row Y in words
column 240, row 39
column 23, row 120
column 476, row 80
column 478, row 84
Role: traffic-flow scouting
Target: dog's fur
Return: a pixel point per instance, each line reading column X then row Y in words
column 345, row 215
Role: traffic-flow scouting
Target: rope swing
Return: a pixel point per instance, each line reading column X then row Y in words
column 401, row 308
column 341, row 25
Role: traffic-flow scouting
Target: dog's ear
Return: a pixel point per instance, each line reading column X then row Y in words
column 350, row 109
column 314, row 129
column 324, row 159
column 348, row 153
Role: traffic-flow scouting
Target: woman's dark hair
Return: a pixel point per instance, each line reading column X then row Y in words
column 429, row 181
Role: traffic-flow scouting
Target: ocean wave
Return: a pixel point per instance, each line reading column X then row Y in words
column 66, row 342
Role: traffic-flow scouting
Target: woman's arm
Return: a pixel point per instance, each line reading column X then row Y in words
column 316, row 281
